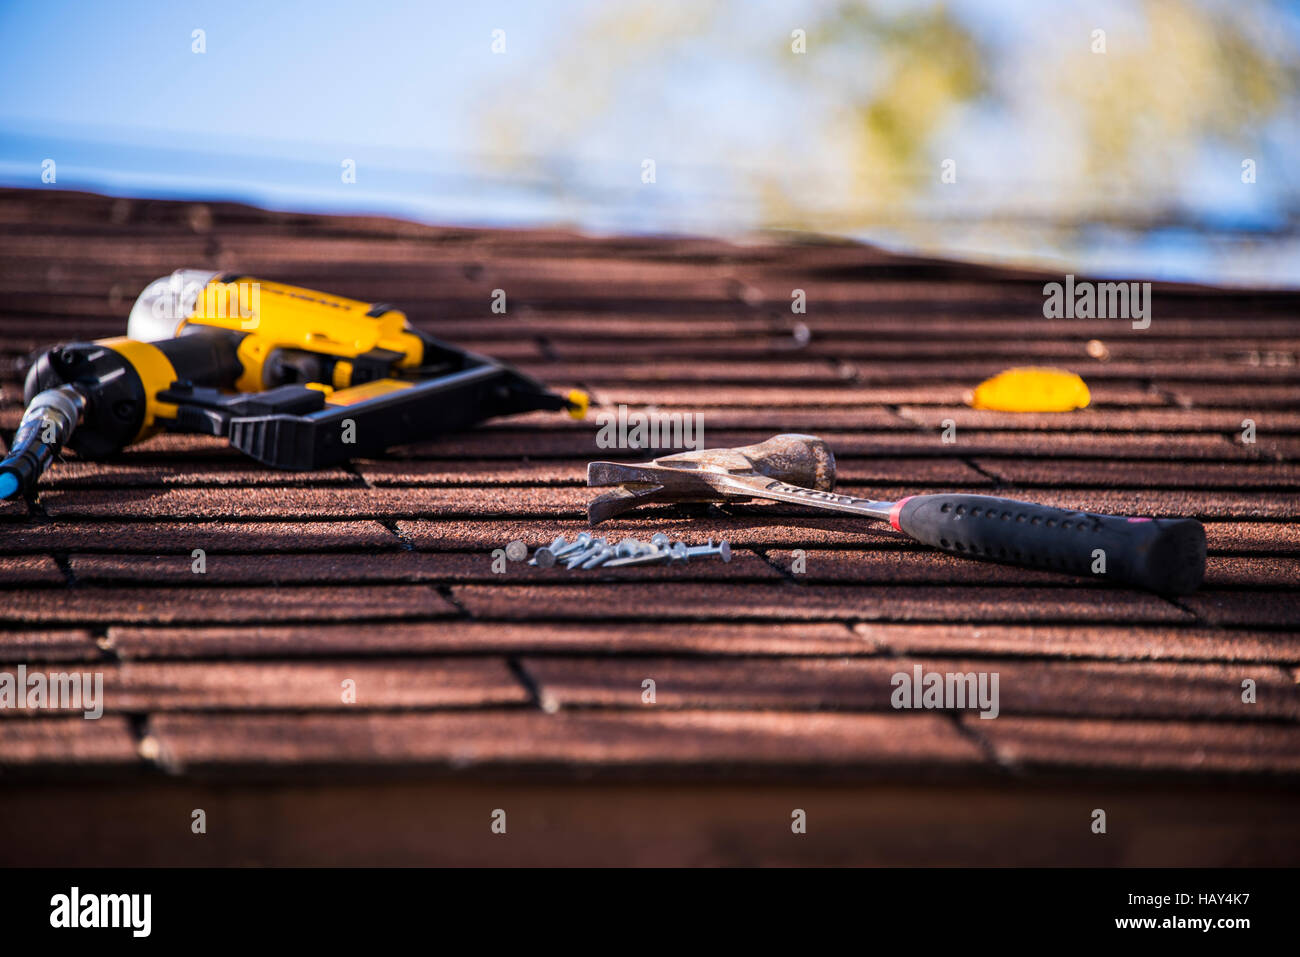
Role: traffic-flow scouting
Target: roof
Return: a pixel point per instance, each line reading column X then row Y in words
column 381, row 571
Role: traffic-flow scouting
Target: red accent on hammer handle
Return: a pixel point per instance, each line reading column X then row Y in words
column 898, row 507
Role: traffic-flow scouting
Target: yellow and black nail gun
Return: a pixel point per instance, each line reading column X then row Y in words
column 295, row 378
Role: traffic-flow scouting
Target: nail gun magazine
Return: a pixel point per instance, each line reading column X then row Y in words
column 807, row 436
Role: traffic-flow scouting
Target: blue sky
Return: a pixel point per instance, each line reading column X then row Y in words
column 379, row 74
column 412, row 92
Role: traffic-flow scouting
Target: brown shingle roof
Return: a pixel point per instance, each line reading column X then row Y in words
column 380, row 571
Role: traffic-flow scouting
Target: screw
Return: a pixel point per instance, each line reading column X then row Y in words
column 581, row 542
column 652, row 557
column 603, row 554
column 547, row 559
column 629, row 547
column 723, row 550
column 577, row 558
column 516, row 551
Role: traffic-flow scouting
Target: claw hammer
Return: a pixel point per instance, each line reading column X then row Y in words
column 1166, row 556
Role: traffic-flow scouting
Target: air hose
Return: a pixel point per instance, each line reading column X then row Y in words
column 47, row 424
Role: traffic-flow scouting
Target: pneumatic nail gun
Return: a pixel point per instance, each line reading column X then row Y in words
column 294, row 378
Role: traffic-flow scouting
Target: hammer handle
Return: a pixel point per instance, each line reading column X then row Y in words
column 1166, row 556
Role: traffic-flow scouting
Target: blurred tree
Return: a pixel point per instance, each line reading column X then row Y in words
column 926, row 63
column 1195, row 73
column 852, row 133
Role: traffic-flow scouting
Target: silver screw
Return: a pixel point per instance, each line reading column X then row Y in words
column 577, row 558
column 545, row 556
column 659, row 542
column 604, row 554
column 581, row 542
column 629, row 547
column 652, row 557
column 723, row 550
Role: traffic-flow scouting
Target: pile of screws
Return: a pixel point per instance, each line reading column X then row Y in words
column 588, row 552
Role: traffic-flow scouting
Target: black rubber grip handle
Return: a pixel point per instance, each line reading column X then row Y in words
column 1161, row 555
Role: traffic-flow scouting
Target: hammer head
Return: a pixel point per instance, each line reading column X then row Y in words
column 803, row 460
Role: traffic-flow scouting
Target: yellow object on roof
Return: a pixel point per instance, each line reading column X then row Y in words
column 1031, row 390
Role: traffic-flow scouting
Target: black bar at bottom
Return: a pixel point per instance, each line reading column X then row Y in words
column 928, row 906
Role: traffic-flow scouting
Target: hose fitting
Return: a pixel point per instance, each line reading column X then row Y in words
column 48, row 423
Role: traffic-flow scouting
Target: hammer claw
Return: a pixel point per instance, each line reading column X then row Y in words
column 619, row 500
